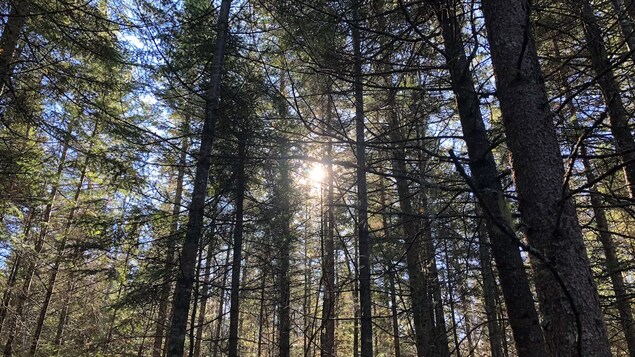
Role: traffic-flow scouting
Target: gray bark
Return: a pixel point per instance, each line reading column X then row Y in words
column 521, row 310
column 572, row 317
column 187, row 264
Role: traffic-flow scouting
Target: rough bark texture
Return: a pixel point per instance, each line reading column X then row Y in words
column 568, row 298
column 187, row 264
column 16, row 22
column 519, row 301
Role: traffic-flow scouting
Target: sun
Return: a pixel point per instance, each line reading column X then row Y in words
column 317, row 174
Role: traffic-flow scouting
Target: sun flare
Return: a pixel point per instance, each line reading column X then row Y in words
column 317, row 173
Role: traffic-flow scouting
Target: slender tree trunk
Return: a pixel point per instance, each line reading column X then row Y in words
column 196, row 297
column 568, row 298
column 162, row 314
column 15, row 267
column 261, row 313
column 362, row 215
column 285, row 239
column 612, row 262
column 327, row 340
column 187, row 266
column 16, row 23
column 495, row 334
column 393, row 311
column 60, row 255
column 440, row 331
column 221, row 307
column 234, row 311
column 618, row 117
column 204, row 297
column 61, row 324
column 514, row 282
column 31, row 263
column 626, row 25
column 417, row 279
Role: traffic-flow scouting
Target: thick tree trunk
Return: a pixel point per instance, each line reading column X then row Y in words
column 16, row 22
column 166, row 283
column 519, row 300
column 234, row 301
column 618, row 117
column 187, row 265
column 568, row 298
column 365, row 298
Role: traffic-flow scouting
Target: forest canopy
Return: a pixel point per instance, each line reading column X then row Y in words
column 317, row 178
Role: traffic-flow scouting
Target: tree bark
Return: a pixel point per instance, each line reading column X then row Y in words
column 60, row 254
column 283, row 221
column 187, row 265
column 569, row 302
column 234, row 301
column 521, row 310
column 618, row 116
column 495, row 333
column 16, row 23
column 365, row 298
column 162, row 314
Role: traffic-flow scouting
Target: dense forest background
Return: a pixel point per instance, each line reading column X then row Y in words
column 317, row 178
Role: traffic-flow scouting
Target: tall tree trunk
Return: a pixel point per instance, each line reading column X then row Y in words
column 393, row 311
column 514, row 282
column 283, row 229
column 234, row 301
column 63, row 319
column 15, row 268
column 568, row 298
column 495, row 333
column 60, row 257
column 187, row 265
column 618, row 117
column 611, row 260
column 204, row 296
column 166, row 283
column 221, row 307
column 327, row 340
column 365, row 298
column 31, row 263
column 422, row 305
column 16, row 22
column 626, row 25
column 261, row 313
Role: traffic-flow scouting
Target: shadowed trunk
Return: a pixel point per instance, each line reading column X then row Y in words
column 569, row 302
